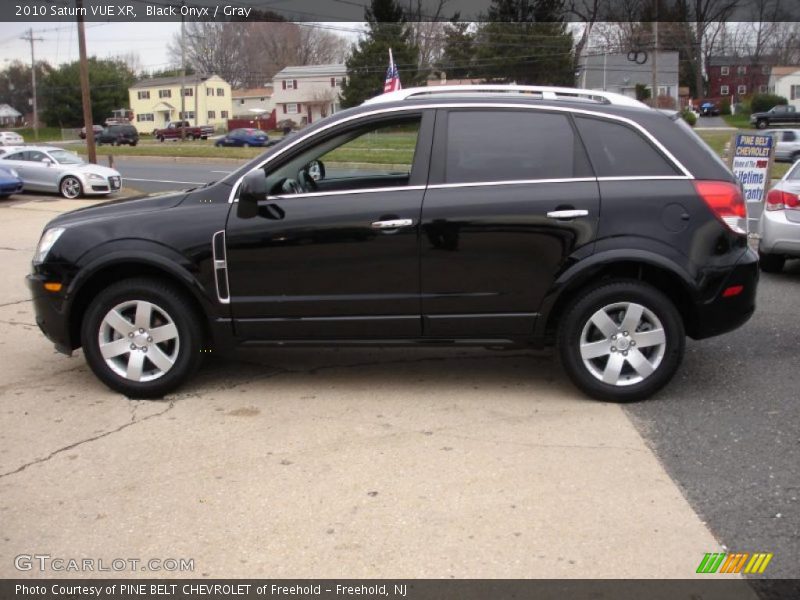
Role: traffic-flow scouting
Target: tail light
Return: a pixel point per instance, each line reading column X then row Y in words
column 726, row 201
column 778, row 200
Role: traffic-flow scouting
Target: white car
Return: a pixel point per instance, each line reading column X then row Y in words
column 787, row 144
column 51, row 169
column 779, row 227
column 10, row 138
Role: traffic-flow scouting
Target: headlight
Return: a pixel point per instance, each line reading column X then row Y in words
column 49, row 238
column 96, row 177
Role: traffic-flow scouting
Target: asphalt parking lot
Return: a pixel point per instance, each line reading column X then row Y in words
column 397, row 463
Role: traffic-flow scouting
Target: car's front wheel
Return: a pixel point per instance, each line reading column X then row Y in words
column 762, row 124
column 70, row 187
column 142, row 338
column 622, row 341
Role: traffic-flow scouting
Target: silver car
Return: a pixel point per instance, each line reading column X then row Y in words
column 787, row 144
column 779, row 226
column 51, row 169
column 10, row 138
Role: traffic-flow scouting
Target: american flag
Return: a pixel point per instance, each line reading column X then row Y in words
column 392, row 83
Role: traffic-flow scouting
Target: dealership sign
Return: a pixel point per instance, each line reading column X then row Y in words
column 752, row 159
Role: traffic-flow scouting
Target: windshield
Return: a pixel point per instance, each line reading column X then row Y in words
column 65, row 158
column 794, row 174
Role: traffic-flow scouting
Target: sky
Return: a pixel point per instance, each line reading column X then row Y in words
column 104, row 40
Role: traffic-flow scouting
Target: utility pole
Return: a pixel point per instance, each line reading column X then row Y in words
column 183, row 77
column 655, row 58
column 29, row 38
column 88, row 121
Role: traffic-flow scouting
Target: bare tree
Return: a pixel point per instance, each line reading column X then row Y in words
column 212, row 48
column 428, row 31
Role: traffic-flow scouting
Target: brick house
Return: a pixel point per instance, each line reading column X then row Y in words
column 738, row 76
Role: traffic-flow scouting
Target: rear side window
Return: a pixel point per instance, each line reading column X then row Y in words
column 485, row 146
column 617, row 150
column 789, row 136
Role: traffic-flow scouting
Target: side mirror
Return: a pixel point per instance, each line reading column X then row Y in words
column 47, row 162
column 253, row 189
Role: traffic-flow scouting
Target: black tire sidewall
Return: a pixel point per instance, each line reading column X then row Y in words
column 176, row 306
column 61, row 188
column 585, row 305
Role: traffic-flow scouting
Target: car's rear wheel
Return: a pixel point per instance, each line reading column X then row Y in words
column 771, row 263
column 245, row 145
column 190, row 137
column 142, row 338
column 161, row 138
column 70, row 187
column 622, row 341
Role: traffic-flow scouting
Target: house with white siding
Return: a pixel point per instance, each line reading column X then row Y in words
column 307, row 94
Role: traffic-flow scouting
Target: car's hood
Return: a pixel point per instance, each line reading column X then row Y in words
column 92, row 168
column 118, row 208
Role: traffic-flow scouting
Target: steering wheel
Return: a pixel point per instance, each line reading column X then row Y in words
column 306, row 180
column 292, row 186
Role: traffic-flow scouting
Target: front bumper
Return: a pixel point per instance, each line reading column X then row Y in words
column 49, row 309
column 723, row 314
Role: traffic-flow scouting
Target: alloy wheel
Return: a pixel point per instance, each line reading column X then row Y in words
column 70, row 188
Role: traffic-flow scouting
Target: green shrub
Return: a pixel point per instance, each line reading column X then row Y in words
column 689, row 116
column 763, row 102
column 725, row 106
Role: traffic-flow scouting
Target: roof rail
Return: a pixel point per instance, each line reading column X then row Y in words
column 543, row 92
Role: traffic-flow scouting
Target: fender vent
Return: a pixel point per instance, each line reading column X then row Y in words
column 220, row 267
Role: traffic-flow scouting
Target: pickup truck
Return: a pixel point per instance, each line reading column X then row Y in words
column 173, row 131
column 777, row 115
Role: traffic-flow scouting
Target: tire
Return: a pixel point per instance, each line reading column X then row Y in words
column 70, row 187
column 190, row 137
column 771, row 263
column 131, row 371
column 161, row 138
column 245, row 145
column 613, row 300
column 795, row 157
column 762, row 124
column 133, row 144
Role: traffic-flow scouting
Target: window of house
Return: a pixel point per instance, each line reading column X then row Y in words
column 165, row 93
column 209, row 91
column 290, row 84
column 189, row 114
column 241, row 101
column 501, row 145
column 741, row 90
column 220, row 91
column 741, row 70
column 762, row 89
column 212, row 114
column 724, row 90
column 794, row 92
column 765, row 70
column 292, row 108
column 724, row 70
column 223, row 114
column 617, row 150
column 142, row 117
column 333, row 81
column 145, row 95
column 188, row 91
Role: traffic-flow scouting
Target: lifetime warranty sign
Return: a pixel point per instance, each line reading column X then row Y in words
column 752, row 160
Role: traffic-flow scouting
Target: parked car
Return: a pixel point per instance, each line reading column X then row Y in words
column 10, row 182
column 98, row 129
column 709, row 109
column 779, row 226
column 10, row 138
column 173, row 131
column 51, row 169
column 245, row 138
column 777, row 115
column 117, row 135
column 512, row 246
column 787, row 144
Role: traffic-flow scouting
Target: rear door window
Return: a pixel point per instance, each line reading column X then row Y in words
column 617, row 150
column 512, row 145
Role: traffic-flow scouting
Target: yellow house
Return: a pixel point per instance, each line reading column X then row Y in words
column 155, row 102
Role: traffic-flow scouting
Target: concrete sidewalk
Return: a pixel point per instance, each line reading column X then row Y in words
column 327, row 463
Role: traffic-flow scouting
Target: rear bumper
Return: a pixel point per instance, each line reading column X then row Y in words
column 50, row 316
column 723, row 314
column 779, row 234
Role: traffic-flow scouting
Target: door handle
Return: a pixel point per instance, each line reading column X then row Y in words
column 567, row 214
column 392, row 224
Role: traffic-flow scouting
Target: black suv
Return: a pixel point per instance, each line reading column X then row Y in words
column 496, row 216
column 116, row 135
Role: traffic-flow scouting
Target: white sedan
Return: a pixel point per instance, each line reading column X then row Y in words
column 51, row 169
column 10, row 138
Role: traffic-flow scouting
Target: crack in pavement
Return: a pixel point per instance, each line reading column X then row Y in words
column 89, row 439
column 18, row 323
column 15, row 302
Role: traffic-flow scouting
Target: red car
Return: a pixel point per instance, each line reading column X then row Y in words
column 96, row 128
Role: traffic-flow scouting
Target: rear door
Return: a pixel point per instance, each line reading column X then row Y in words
column 511, row 198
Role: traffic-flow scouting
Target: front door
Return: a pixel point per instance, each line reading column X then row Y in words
column 333, row 251
column 511, row 197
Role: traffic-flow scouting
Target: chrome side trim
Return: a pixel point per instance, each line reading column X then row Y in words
column 418, row 107
column 646, row 178
column 342, row 192
column 441, row 186
column 220, row 264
